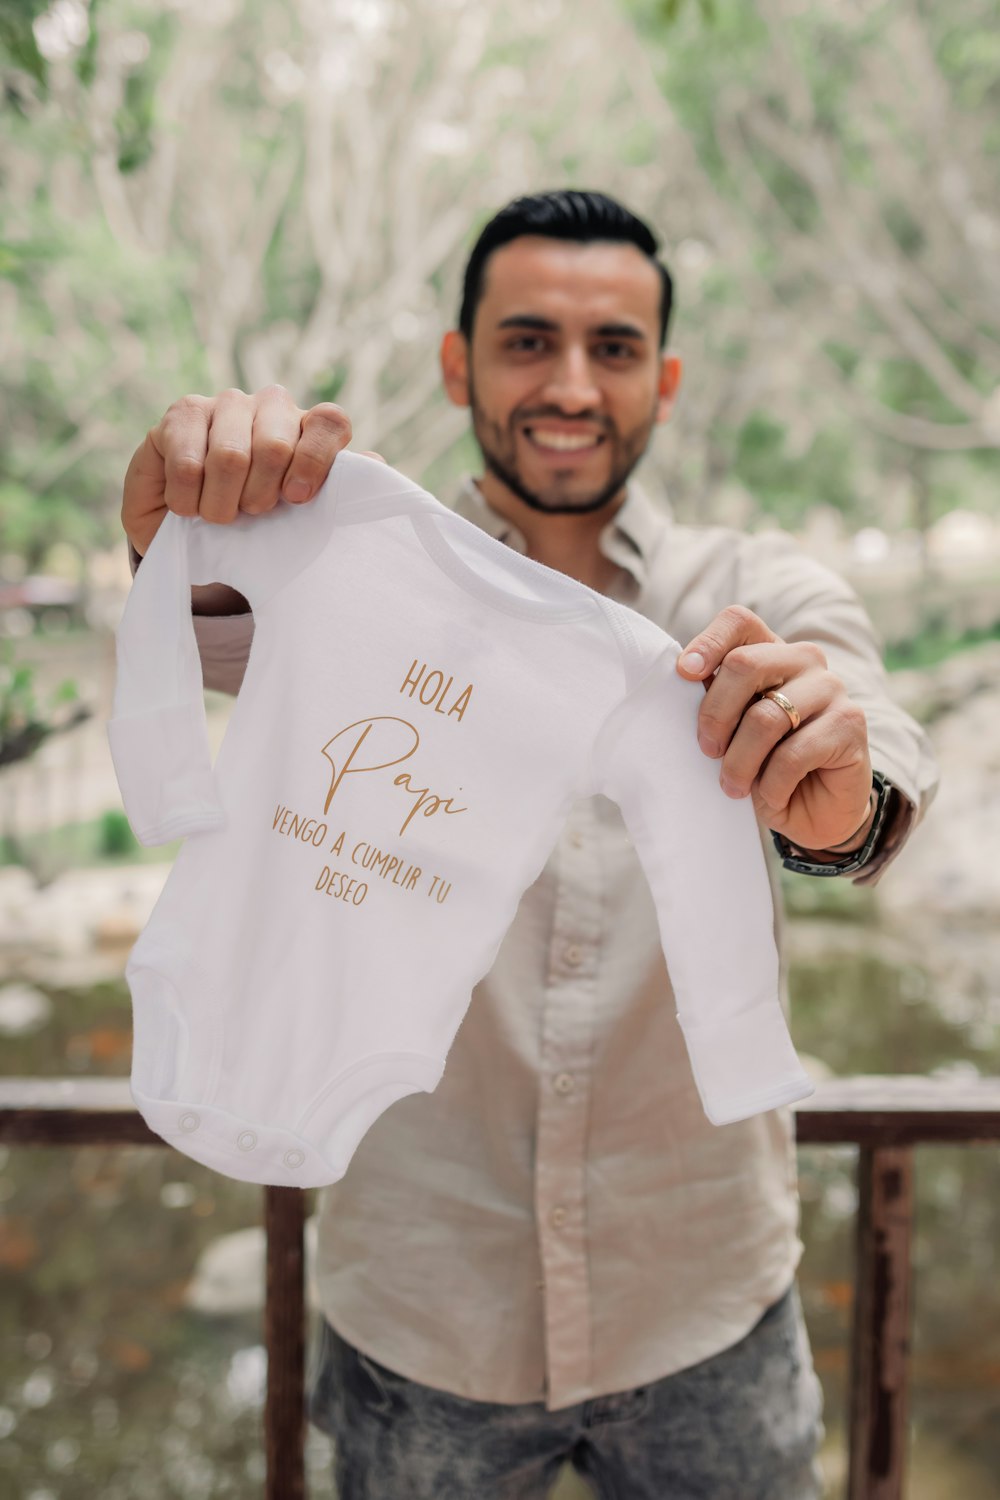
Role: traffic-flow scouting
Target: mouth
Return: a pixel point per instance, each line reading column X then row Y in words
column 555, row 442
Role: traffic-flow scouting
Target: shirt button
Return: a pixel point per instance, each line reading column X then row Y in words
column 246, row 1140
column 572, row 954
column 564, row 1083
column 294, row 1158
column 558, row 1217
column 190, row 1121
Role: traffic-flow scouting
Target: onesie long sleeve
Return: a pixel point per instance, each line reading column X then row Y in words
column 420, row 707
column 709, row 884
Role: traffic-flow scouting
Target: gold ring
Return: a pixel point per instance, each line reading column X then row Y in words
column 786, row 704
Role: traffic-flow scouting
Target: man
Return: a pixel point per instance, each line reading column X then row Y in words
column 555, row 1255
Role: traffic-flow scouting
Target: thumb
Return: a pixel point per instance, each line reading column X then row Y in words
column 143, row 494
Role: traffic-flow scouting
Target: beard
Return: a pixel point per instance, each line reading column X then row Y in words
column 498, row 448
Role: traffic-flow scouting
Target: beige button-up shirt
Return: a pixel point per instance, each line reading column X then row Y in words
column 558, row 1220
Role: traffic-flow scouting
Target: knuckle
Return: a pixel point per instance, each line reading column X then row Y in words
column 711, row 723
column 228, row 461
column 849, row 718
column 187, row 404
column 187, row 471
column 274, row 452
column 767, row 716
column 332, row 418
column 741, row 660
column 792, row 757
column 738, row 614
column 815, row 651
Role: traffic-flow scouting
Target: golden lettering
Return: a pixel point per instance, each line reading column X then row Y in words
column 461, row 703
column 328, row 879
column 396, row 736
column 386, row 866
column 431, row 688
column 394, row 740
column 422, row 794
column 306, row 830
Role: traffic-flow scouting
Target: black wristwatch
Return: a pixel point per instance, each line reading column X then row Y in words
column 792, row 857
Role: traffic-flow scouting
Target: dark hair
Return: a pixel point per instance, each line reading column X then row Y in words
column 563, row 215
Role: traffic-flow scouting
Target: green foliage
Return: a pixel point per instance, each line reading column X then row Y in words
column 786, row 485
column 17, row 39
column 24, row 723
column 670, row 10
column 935, row 643
column 116, row 836
column 805, row 129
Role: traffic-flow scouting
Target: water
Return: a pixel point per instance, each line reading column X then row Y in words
column 111, row 1382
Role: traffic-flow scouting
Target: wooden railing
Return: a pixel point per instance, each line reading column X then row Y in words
column 885, row 1117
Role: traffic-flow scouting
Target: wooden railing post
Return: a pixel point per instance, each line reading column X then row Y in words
column 285, row 1325
column 880, row 1339
column 884, row 1117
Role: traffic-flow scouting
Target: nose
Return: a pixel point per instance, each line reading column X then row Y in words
column 571, row 385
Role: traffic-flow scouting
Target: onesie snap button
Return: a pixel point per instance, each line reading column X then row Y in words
column 190, row 1121
column 246, row 1140
column 564, row 1083
column 294, row 1158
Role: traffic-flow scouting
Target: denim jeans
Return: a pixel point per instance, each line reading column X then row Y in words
column 745, row 1424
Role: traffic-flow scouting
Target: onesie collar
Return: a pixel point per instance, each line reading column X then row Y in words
column 628, row 539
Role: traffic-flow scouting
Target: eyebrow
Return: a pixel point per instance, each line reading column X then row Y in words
column 546, row 325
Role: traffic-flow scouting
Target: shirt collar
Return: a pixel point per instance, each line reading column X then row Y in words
column 628, row 539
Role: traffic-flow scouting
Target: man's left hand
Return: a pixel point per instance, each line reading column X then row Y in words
column 811, row 784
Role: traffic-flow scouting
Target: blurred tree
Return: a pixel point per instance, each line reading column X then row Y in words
column 853, row 153
column 233, row 195
column 213, row 194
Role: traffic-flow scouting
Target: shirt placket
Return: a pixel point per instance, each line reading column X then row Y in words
column 567, row 1045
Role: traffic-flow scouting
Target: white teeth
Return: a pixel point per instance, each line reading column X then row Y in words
column 564, row 441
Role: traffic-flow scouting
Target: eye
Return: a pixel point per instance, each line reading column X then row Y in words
column 616, row 349
column 526, row 342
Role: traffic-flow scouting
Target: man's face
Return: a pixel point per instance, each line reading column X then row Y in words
column 564, row 376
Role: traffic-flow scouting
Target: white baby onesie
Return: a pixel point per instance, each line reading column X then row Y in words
column 421, row 706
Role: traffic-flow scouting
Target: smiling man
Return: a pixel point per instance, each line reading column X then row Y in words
column 555, row 1256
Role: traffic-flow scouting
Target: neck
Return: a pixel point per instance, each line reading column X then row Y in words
column 564, row 541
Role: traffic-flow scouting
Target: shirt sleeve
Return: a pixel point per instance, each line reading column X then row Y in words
column 157, row 730
column 702, row 855
column 803, row 600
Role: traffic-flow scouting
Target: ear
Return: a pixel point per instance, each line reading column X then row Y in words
column 455, row 367
column 671, row 370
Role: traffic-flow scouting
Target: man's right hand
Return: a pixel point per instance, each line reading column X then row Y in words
column 218, row 456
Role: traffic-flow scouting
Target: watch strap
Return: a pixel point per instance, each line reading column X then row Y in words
column 796, row 859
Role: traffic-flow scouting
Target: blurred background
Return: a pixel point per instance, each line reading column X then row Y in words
column 200, row 194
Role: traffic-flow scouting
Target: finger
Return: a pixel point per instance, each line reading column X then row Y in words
column 745, row 672
column 181, row 440
column 325, row 429
column 765, row 723
column 273, row 439
column 227, row 460
column 143, row 506
column 733, row 626
column 366, row 453
column 824, row 767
